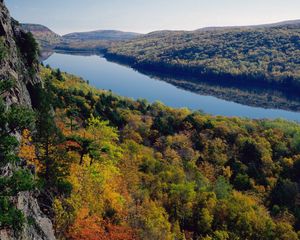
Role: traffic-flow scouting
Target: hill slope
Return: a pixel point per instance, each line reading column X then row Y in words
column 94, row 41
column 110, row 35
column 46, row 37
column 81, row 41
column 148, row 171
column 252, row 55
column 268, row 25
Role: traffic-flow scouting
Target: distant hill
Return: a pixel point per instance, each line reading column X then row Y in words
column 108, row 35
column 46, row 37
column 291, row 23
column 264, row 54
column 80, row 41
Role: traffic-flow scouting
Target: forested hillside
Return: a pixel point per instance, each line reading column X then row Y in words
column 116, row 168
column 93, row 41
column 45, row 37
column 262, row 55
column 112, row 35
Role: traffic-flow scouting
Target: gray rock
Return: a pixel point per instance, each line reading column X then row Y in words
column 40, row 226
column 13, row 66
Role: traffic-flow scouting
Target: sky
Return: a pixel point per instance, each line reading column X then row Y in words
column 65, row 16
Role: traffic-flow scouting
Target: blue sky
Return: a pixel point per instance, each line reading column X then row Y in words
column 64, row 16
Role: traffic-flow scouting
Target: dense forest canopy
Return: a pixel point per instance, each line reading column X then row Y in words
column 123, row 169
column 266, row 54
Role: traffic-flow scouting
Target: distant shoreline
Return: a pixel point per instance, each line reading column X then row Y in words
column 196, row 75
column 260, row 95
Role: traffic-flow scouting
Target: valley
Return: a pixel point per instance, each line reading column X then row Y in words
column 210, row 98
column 166, row 135
column 256, row 76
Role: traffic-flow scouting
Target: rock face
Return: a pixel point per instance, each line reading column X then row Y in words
column 13, row 66
column 40, row 226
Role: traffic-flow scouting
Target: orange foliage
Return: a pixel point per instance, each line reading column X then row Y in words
column 61, row 120
column 120, row 233
column 88, row 227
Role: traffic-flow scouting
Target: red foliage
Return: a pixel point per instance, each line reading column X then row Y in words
column 120, row 233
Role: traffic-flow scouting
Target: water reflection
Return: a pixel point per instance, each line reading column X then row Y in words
column 213, row 98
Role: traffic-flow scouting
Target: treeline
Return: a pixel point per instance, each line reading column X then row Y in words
column 113, row 168
column 255, row 56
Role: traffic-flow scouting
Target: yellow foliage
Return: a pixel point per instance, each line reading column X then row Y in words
column 63, row 217
column 94, row 186
column 27, row 151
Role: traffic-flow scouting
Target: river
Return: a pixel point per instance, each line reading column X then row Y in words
column 128, row 82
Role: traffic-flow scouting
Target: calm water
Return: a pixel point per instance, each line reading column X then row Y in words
column 127, row 82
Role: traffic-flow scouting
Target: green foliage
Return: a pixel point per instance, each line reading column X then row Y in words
column 15, row 119
column 154, row 222
column 180, row 174
column 6, row 85
column 285, row 193
column 48, row 135
column 58, row 75
column 243, row 55
column 9, row 215
column 242, row 182
column 29, row 50
column 12, row 120
column 21, row 180
column 222, row 188
column 19, row 118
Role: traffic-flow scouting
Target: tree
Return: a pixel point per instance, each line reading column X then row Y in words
column 181, row 200
column 96, row 141
column 48, row 136
column 27, row 152
column 222, row 188
column 58, row 75
column 152, row 222
column 285, row 193
column 29, row 50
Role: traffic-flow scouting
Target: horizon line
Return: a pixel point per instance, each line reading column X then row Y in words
column 174, row 29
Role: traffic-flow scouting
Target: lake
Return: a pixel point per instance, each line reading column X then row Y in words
column 127, row 82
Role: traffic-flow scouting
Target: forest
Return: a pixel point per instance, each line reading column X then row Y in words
column 266, row 55
column 109, row 167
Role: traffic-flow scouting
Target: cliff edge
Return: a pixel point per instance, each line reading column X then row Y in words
column 18, row 65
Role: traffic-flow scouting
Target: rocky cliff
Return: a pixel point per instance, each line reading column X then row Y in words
column 16, row 66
